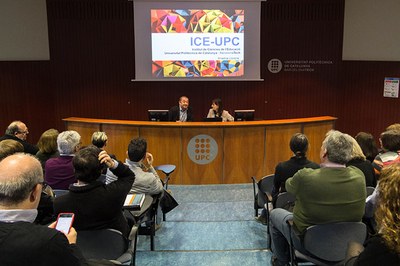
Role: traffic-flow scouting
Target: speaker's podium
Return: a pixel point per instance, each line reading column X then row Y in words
column 210, row 152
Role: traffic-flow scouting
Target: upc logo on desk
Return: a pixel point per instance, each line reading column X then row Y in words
column 202, row 149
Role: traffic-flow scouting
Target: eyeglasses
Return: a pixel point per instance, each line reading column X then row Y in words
column 23, row 132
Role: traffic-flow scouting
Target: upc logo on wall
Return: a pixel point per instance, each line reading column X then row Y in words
column 202, row 149
column 274, row 65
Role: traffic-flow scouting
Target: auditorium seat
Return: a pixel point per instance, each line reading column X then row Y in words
column 108, row 244
column 262, row 190
column 325, row 244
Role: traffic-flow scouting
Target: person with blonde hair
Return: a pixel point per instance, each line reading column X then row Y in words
column 8, row 147
column 47, row 145
column 359, row 160
column 383, row 248
column 395, row 126
column 99, row 139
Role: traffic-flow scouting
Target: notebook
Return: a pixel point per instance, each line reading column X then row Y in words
column 134, row 201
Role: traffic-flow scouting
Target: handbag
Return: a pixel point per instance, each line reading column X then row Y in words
column 167, row 202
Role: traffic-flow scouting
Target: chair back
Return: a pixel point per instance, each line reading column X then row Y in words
column 329, row 241
column 107, row 244
column 167, row 169
column 265, row 186
column 285, row 200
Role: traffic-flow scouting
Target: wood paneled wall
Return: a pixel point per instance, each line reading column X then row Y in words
column 210, row 153
column 92, row 64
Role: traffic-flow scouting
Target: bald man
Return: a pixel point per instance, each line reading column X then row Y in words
column 181, row 113
column 21, row 241
column 18, row 131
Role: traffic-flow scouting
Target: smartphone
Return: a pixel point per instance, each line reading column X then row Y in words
column 64, row 222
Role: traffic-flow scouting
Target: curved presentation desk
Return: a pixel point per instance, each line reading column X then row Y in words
column 210, row 152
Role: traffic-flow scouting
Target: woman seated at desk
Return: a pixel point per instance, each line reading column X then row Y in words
column 217, row 110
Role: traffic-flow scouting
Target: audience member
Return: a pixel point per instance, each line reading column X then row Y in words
column 59, row 172
column 140, row 162
column 45, row 209
column 383, row 248
column 358, row 160
column 99, row 139
column 333, row 193
column 217, row 110
column 368, row 145
column 395, row 126
column 390, row 143
column 147, row 180
column 181, row 113
column 96, row 205
column 18, row 131
column 21, row 241
column 299, row 146
column 47, row 145
column 8, row 147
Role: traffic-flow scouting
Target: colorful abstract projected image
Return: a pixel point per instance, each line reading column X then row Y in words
column 188, row 43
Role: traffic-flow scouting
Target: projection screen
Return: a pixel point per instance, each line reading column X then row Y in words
column 182, row 40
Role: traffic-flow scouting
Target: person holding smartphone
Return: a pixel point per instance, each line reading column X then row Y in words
column 21, row 241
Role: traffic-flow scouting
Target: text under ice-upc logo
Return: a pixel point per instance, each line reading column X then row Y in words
column 202, row 149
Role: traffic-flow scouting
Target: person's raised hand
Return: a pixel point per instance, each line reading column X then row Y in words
column 106, row 159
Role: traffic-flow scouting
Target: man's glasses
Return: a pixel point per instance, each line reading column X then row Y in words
column 23, row 132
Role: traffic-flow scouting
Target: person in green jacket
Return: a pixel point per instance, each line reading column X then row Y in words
column 333, row 193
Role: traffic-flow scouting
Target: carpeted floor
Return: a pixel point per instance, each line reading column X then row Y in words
column 213, row 225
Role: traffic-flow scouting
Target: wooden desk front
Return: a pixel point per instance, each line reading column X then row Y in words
column 245, row 149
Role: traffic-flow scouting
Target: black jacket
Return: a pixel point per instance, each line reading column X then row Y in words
column 28, row 148
column 96, row 205
column 24, row 243
column 173, row 114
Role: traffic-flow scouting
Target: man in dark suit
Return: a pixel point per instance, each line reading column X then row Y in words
column 181, row 113
column 18, row 131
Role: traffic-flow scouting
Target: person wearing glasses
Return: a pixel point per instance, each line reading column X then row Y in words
column 18, row 131
column 26, row 243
